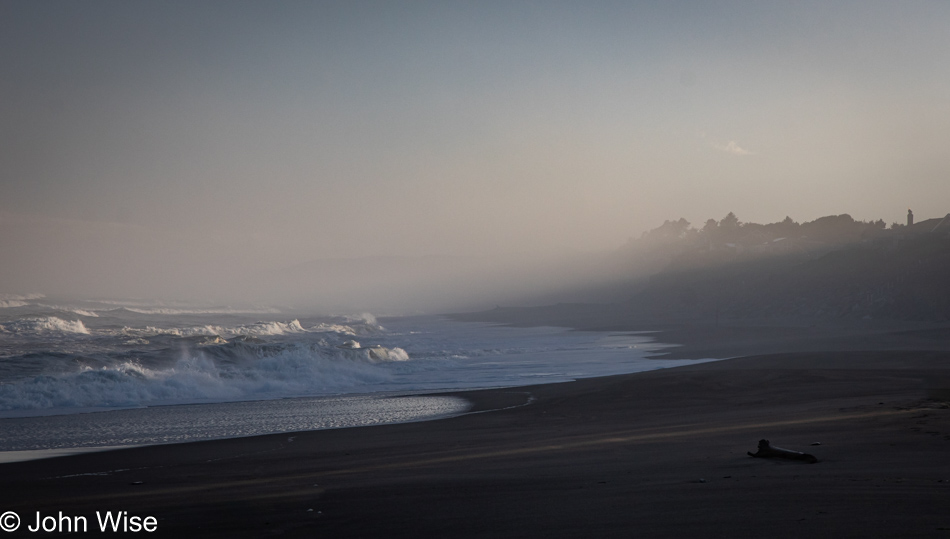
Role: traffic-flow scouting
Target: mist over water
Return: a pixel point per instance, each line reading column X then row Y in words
column 427, row 156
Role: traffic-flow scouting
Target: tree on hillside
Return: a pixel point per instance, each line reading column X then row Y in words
column 668, row 232
column 729, row 223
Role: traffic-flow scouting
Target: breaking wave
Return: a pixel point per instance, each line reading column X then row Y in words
column 44, row 325
column 225, row 372
column 258, row 329
column 174, row 312
column 10, row 301
column 74, row 310
column 53, row 362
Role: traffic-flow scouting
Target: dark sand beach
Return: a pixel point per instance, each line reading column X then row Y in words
column 656, row 454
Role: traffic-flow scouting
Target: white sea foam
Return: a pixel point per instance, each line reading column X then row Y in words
column 74, row 310
column 11, row 303
column 242, row 372
column 174, row 312
column 49, row 324
column 343, row 329
column 382, row 353
column 259, row 329
column 271, row 328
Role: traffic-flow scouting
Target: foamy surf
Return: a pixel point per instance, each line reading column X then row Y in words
column 140, row 365
column 44, row 325
column 203, row 372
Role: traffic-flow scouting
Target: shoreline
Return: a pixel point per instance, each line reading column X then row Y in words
column 659, row 453
column 473, row 406
column 21, row 452
column 439, row 400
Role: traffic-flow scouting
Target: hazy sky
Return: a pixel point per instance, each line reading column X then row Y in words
column 145, row 144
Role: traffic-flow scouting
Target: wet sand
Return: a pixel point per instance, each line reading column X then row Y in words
column 656, row 454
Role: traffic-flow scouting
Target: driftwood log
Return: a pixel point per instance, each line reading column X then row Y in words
column 767, row 450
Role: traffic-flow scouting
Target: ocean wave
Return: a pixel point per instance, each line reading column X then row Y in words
column 234, row 371
column 48, row 324
column 11, row 303
column 152, row 331
column 364, row 318
column 347, row 329
column 387, row 354
column 20, row 297
column 74, row 310
column 176, row 312
column 272, row 328
column 258, row 329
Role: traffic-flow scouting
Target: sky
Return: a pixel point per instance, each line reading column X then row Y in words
column 163, row 148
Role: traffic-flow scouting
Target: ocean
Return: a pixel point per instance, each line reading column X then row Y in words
column 77, row 375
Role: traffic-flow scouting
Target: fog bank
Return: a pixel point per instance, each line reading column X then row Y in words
column 428, row 153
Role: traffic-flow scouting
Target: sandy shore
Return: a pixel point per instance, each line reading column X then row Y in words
column 657, row 454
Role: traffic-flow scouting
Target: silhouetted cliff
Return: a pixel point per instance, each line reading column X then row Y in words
column 833, row 267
